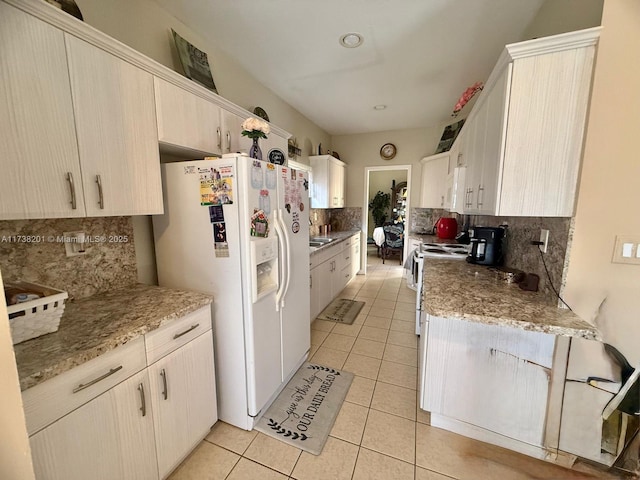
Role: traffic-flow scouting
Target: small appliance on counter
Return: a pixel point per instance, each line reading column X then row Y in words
column 486, row 245
column 446, row 228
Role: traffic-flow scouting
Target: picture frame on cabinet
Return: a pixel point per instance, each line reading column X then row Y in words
column 194, row 62
column 449, row 136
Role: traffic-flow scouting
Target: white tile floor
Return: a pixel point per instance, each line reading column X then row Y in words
column 380, row 433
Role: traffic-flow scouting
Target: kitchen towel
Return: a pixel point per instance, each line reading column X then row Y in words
column 341, row 310
column 305, row 411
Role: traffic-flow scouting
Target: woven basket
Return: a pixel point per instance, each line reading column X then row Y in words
column 36, row 317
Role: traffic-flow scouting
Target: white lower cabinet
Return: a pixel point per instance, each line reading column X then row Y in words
column 139, row 428
column 502, row 372
column 107, row 438
column 183, row 397
column 331, row 271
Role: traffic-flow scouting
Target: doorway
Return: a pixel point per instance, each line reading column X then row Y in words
column 395, row 181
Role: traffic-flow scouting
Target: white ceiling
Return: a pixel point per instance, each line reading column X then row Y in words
column 417, row 58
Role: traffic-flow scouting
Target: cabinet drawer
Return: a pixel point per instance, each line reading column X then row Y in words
column 166, row 339
column 325, row 254
column 47, row 402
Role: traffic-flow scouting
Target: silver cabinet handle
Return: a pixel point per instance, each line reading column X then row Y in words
column 192, row 327
column 480, row 189
column 228, row 141
column 310, row 281
column 72, row 187
column 219, row 132
column 165, row 392
column 441, row 200
column 82, row 386
column 100, row 194
column 143, row 406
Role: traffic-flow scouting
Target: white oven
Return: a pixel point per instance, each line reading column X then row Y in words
column 415, row 279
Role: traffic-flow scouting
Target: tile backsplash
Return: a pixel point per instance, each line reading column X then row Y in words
column 340, row 219
column 109, row 262
column 519, row 253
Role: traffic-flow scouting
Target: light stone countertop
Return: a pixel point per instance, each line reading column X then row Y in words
column 457, row 289
column 95, row 325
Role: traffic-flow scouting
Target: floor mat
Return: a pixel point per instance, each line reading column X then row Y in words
column 305, row 411
column 342, row 310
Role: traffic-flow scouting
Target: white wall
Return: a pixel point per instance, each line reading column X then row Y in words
column 363, row 150
column 559, row 16
column 15, row 453
column 609, row 190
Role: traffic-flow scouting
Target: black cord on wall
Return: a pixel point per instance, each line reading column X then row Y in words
column 544, row 264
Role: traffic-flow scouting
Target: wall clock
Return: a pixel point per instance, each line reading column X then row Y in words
column 388, row 151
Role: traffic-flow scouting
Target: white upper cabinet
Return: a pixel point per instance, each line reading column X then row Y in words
column 188, row 121
column 79, row 137
column 232, row 138
column 433, row 188
column 328, row 182
column 113, row 103
column 524, row 137
column 40, row 164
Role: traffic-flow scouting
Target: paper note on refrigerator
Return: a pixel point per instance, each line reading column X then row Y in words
column 216, row 185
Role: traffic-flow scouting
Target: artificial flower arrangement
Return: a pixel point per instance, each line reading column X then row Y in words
column 255, row 128
column 466, row 96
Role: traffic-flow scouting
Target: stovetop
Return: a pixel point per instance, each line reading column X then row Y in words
column 453, row 251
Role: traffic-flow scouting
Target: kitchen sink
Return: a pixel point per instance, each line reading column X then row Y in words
column 321, row 240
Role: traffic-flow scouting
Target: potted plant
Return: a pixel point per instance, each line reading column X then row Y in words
column 378, row 206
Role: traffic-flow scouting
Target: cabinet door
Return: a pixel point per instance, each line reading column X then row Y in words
column 109, row 437
column 501, row 372
column 273, row 141
column 434, row 180
column 337, row 179
column 232, row 138
column 494, row 121
column 114, row 109
column 355, row 255
column 37, row 132
column 324, row 281
column 186, row 120
column 183, row 395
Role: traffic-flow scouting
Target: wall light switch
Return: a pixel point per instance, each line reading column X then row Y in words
column 627, row 249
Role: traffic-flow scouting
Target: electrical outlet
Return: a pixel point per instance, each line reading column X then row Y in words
column 74, row 243
column 544, row 238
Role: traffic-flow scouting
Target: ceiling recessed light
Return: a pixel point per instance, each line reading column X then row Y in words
column 379, row 107
column 351, row 40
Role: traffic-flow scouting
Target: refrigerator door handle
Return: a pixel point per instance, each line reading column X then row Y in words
column 282, row 247
column 288, row 254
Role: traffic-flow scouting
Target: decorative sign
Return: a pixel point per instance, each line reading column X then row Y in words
column 276, row 156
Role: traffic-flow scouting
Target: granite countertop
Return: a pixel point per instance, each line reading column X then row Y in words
column 336, row 236
column 475, row 293
column 94, row 325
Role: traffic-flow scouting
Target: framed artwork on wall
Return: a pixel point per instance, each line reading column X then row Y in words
column 449, row 136
column 194, row 62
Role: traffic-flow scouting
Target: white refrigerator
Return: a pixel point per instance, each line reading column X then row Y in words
column 237, row 228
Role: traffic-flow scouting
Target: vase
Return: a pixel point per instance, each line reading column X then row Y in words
column 254, row 151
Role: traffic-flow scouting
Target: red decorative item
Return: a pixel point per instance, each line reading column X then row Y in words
column 447, row 228
column 466, row 96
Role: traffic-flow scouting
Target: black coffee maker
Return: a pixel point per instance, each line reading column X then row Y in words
column 486, row 245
